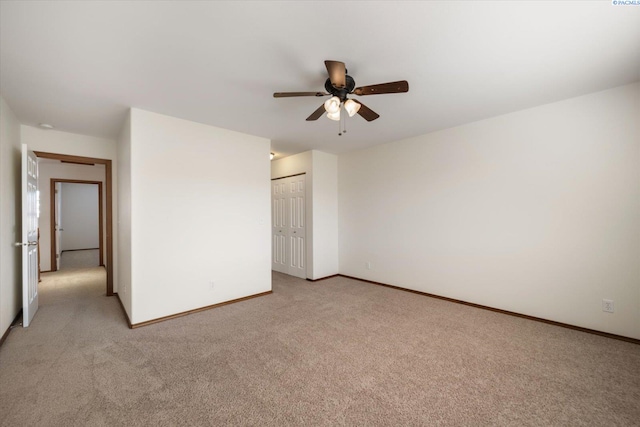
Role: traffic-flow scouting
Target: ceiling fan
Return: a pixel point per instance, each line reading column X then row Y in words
column 341, row 85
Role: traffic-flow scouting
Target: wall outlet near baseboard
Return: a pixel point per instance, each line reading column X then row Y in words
column 211, row 284
column 607, row 305
column 368, row 265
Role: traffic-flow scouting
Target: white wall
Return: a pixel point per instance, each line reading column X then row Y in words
column 321, row 207
column 53, row 141
column 47, row 170
column 123, row 229
column 200, row 213
column 79, row 212
column 10, row 224
column 536, row 212
column 325, row 214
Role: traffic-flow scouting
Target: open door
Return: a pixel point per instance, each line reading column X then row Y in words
column 58, row 221
column 29, row 235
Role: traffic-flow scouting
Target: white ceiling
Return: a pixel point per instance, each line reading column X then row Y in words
column 80, row 65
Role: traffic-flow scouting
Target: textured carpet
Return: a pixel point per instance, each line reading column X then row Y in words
column 335, row 352
column 79, row 259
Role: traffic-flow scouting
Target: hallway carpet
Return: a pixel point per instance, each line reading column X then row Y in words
column 84, row 258
column 335, row 352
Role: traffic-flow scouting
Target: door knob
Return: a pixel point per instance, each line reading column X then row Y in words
column 34, row 243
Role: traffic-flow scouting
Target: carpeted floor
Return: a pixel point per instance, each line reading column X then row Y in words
column 85, row 258
column 335, row 352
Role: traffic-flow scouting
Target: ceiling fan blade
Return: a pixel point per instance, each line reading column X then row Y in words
column 290, row 94
column 393, row 87
column 316, row 114
column 337, row 73
column 367, row 113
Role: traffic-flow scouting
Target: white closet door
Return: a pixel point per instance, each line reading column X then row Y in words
column 297, row 227
column 279, row 224
column 289, row 226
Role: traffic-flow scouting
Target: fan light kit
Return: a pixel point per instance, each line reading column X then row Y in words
column 352, row 107
column 333, row 106
column 340, row 85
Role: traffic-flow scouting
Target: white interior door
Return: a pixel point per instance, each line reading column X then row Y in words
column 297, row 240
column 279, row 223
column 29, row 235
column 58, row 224
column 289, row 226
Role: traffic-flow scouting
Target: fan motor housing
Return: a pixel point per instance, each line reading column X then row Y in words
column 341, row 92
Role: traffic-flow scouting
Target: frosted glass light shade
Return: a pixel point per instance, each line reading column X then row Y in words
column 332, row 105
column 334, row 116
column 352, row 107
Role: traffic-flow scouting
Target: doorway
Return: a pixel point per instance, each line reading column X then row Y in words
column 107, row 258
column 76, row 223
column 289, row 225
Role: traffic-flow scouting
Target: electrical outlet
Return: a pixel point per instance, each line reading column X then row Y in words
column 607, row 305
column 211, row 284
column 368, row 265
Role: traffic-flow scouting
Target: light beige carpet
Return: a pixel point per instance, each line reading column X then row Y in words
column 85, row 258
column 335, row 352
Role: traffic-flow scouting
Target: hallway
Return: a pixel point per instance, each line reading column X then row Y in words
column 82, row 258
